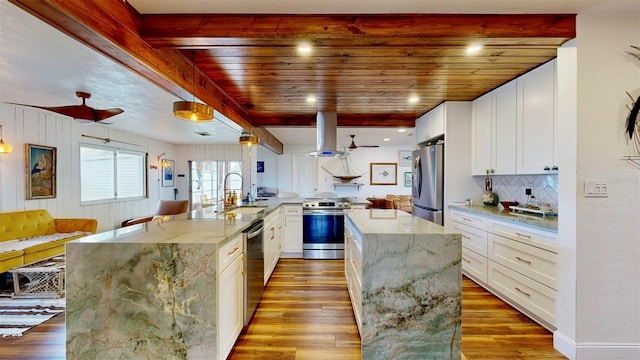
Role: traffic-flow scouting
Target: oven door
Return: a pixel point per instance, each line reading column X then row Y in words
column 323, row 234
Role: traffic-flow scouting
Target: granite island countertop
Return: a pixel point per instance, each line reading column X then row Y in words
column 548, row 223
column 391, row 221
column 209, row 225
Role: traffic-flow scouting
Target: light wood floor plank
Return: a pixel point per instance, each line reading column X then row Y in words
column 305, row 314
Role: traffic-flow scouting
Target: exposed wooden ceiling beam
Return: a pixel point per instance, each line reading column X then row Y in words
column 111, row 28
column 344, row 120
column 207, row 30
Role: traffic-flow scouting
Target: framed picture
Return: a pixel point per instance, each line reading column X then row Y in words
column 383, row 174
column 260, row 166
column 168, row 167
column 40, row 172
column 407, row 179
column 405, row 158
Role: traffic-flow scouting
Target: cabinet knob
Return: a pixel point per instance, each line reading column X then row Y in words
column 546, row 168
column 554, row 168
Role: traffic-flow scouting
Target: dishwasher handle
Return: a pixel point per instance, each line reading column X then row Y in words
column 254, row 233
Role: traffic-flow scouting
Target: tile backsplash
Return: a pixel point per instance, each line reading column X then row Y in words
column 512, row 187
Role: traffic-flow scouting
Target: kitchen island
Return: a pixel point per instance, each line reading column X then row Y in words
column 403, row 275
column 158, row 290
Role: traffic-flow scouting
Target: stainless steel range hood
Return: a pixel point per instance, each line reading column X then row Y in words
column 327, row 128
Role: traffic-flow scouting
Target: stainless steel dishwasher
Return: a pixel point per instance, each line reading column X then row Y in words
column 253, row 269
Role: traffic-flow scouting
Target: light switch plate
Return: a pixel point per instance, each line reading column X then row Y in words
column 596, row 188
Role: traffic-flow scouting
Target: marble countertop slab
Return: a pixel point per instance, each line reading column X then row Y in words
column 209, row 225
column 549, row 223
column 391, row 221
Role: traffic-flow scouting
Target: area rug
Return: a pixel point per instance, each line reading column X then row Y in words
column 20, row 315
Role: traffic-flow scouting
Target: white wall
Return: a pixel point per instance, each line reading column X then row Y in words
column 22, row 125
column 606, row 317
column 361, row 158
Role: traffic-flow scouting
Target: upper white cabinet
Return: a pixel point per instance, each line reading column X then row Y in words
column 536, row 120
column 493, row 130
column 430, row 124
column 513, row 126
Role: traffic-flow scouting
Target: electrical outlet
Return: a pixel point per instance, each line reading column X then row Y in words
column 596, row 189
column 527, row 191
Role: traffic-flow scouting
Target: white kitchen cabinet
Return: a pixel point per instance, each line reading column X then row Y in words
column 493, row 129
column 292, row 235
column 272, row 242
column 474, row 244
column 525, row 294
column 515, row 262
column 230, row 295
column 353, row 269
column 358, row 206
column 430, row 124
column 536, row 152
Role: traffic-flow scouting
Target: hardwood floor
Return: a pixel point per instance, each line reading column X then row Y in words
column 305, row 313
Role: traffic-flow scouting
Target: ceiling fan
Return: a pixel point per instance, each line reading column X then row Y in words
column 354, row 146
column 81, row 113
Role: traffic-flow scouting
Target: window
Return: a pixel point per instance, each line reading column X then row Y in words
column 207, row 179
column 111, row 174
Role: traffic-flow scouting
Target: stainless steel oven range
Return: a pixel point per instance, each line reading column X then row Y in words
column 323, row 228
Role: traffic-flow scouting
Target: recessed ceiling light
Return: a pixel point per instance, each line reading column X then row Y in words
column 402, row 130
column 413, row 99
column 311, row 99
column 304, row 49
column 472, row 49
column 386, row 139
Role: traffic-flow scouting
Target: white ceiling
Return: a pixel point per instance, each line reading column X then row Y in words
column 41, row 66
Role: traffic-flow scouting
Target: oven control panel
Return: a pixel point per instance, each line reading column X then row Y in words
column 326, row 204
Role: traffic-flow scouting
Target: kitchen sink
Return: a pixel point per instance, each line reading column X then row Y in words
column 246, row 210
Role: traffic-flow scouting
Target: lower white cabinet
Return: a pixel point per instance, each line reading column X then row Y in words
column 292, row 236
column 523, row 292
column 516, row 262
column 272, row 242
column 230, row 295
column 474, row 265
column 353, row 269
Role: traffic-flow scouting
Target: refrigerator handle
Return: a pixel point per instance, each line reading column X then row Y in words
column 417, row 177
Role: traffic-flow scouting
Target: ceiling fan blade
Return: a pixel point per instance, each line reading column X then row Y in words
column 369, row 146
column 82, row 112
column 106, row 113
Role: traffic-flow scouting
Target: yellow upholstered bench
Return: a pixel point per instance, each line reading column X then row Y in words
column 32, row 235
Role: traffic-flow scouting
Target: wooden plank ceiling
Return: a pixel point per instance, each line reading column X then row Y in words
column 364, row 67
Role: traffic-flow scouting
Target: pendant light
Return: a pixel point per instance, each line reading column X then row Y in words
column 192, row 110
column 248, row 140
column 4, row 148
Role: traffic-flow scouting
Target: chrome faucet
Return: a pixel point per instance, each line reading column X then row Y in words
column 224, row 188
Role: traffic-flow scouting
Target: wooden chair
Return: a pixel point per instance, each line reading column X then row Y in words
column 164, row 208
column 206, row 202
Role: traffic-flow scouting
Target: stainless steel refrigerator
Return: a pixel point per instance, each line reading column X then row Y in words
column 428, row 181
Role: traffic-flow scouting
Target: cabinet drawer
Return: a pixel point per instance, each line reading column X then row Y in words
column 472, row 238
column 229, row 252
column 538, row 299
column 539, row 238
column 474, row 265
column 290, row 210
column 538, row 264
column 471, row 220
